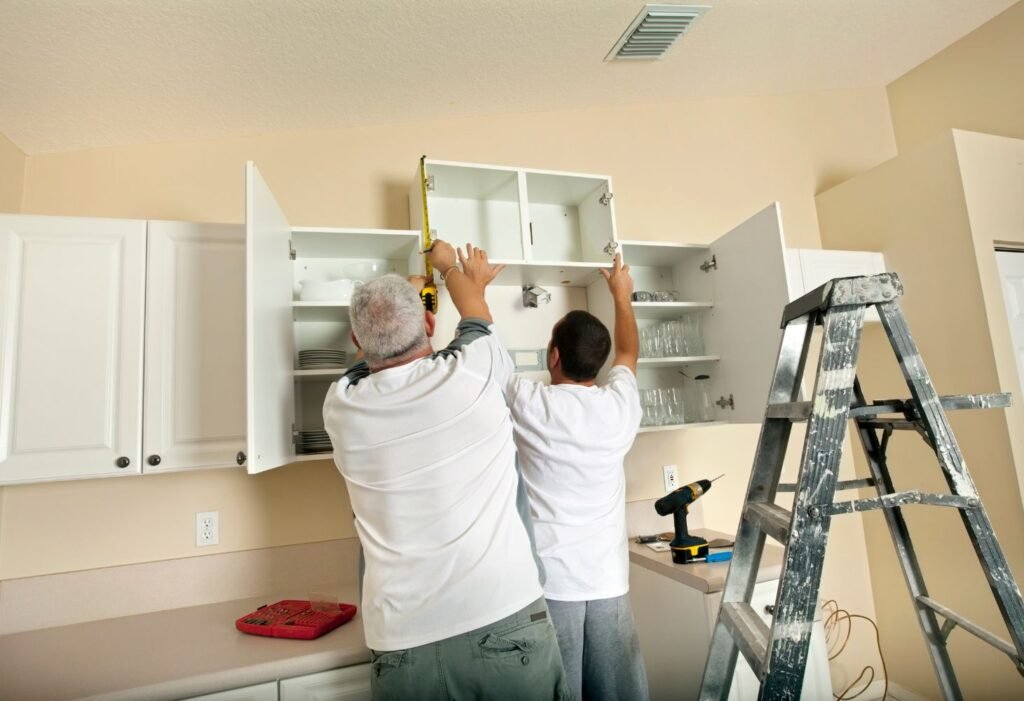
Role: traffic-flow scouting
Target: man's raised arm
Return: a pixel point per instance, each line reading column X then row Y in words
column 627, row 340
column 465, row 286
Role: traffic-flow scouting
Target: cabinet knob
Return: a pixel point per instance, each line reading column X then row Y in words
column 123, row 462
column 240, row 458
column 153, row 460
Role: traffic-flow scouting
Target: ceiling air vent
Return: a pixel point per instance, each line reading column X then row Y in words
column 654, row 31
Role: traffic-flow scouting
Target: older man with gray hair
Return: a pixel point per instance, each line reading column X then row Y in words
column 452, row 603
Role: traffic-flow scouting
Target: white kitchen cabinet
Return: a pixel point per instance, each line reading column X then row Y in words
column 547, row 227
column 71, row 347
column 557, row 229
column 738, row 287
column 281, row 398
column 345, row 684
column 674, row 624
column 195, row 413
column 257, row 692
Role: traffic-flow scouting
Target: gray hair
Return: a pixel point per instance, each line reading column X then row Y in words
column 387, row 319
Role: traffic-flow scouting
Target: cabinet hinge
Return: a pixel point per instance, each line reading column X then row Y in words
column 291, row 251
column 611, row 248
column 726, row 403
column 709, row 265
column 605, row 198
column 430, row 183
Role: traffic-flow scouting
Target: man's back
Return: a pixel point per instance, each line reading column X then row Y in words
column 426, row 450
column 572, row 440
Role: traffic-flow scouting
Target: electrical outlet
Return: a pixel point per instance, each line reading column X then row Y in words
column 207, row 528
column 671, row 474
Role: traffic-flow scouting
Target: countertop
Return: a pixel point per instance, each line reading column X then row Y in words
column 703, row 576
column 167, row 655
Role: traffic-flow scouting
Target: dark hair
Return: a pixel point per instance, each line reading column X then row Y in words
column 583, row 344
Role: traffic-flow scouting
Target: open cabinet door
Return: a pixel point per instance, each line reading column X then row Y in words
column 270, row 392
column 750, row 291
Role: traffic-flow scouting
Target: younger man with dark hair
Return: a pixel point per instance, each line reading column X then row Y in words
column 572, row 438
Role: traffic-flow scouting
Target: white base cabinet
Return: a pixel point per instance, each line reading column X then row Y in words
column 345, row 684
column 674, row 624
column 257, row 692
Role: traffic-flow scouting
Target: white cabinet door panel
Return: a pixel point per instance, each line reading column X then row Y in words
column 270, row 342
column 345, row 684
column 195, row 409
column 258, row 692
column 71, row 341
column 744, row 328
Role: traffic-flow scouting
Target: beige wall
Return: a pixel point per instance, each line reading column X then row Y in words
column 976, row 83
column 684, row 171
column 12, row 175
column 914, row 209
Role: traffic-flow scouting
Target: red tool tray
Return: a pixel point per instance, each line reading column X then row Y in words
column 295, row 619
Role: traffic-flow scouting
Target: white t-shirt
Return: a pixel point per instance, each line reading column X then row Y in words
column 572, row 441
column 427, row 453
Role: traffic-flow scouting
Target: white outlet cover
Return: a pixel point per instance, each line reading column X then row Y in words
column 207, row 528
column 671, row 475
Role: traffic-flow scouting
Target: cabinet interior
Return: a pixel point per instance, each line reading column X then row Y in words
column 333, row 254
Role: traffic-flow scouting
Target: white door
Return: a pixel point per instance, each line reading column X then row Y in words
column 71, row 339
column 1011, row 272
column 269, row 341
column 345, row 684
column 195, row 410
column 744, row 327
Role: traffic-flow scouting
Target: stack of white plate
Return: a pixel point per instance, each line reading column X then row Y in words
column 313, row 442
column 321, row 358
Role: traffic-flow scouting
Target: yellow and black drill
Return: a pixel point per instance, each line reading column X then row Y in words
column 685, row 547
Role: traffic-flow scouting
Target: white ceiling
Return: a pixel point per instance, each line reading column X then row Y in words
column 83, row 73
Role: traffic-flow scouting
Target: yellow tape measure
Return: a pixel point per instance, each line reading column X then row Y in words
column 429, row 292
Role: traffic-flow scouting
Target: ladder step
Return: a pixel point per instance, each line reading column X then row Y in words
column 770, row 518
column 801, row 411
column 953, row 617
column 841, row 485
column 898, row 499
column 749, row 632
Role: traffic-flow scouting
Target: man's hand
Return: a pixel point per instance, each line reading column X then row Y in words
column 475, row 266
column 619, row 282
column 441, row 255
column 419, row 282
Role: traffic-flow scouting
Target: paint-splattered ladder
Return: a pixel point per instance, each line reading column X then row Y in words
column 778, row 654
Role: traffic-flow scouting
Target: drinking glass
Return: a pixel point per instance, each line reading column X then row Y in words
column 693, row 340
column 658, row 401
column 674, row 396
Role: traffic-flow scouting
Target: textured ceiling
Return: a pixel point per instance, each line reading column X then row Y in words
column 83, row 73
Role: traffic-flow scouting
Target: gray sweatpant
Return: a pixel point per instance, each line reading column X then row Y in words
column 599, row 649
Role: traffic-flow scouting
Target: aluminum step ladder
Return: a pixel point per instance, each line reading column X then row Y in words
column 778, row 654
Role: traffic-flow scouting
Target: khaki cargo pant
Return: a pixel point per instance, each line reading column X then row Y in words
column 514, row 658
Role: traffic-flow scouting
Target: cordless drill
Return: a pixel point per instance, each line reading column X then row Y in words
column 685, row 547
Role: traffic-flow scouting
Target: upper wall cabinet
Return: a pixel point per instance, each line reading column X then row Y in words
column 732, row 292
column 297, row 306
column 195, row 346
column 71, row 346
column 549, row 228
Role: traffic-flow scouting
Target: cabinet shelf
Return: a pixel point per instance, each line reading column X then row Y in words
column 676, row 362
column 320, row 311
column 679, row 427
column 378, row 244
column 659, row 255
column 319, row 374
column 568, row 274
column 667, row 310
